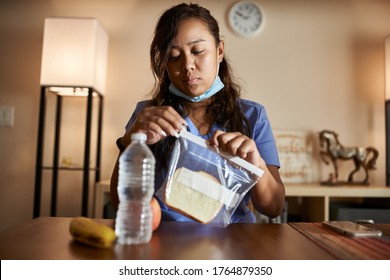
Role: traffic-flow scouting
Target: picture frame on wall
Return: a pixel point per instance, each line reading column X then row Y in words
column 295, row 148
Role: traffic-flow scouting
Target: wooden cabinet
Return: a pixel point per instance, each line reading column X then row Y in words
column 312, row 201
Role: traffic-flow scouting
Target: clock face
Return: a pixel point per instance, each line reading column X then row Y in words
column 245, row 18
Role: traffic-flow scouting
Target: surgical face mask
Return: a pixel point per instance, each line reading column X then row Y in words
column 215, row 87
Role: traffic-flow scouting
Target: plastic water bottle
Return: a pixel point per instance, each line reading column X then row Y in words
column 133, row 224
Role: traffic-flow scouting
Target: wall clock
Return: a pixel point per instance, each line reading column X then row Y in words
column 245, row 18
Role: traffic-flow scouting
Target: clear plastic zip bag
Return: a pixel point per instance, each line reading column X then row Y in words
column 205, row 184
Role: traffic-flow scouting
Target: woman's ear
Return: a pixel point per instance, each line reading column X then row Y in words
column 221, row 51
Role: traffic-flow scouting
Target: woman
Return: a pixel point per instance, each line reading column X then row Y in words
column 194, row 88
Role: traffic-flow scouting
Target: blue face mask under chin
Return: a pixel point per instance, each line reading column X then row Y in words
column 215, row 87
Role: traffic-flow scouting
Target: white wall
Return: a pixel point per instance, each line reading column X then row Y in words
column 315, row 65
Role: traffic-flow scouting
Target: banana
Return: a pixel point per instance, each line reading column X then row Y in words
column 91, row 233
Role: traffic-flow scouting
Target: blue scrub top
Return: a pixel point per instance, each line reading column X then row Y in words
column 261, row 133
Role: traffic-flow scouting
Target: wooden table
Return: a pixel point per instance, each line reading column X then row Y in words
column 48, row 238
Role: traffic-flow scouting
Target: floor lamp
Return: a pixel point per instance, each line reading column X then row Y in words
column 74, row 58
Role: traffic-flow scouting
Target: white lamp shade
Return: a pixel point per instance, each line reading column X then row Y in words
column 74, row 53
column 387, row 68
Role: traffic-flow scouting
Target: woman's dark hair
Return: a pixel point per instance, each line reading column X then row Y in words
column 223, row 109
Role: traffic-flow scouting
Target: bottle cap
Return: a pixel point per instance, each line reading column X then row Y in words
column 139, row 136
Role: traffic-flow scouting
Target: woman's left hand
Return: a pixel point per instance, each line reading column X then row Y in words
column 238, row 144
column 268, row 194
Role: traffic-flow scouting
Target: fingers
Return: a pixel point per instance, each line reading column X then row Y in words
column 158, row 122
column 236, row 144
column 164, row 120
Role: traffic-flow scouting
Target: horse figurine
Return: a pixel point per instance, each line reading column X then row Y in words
column 362, row 157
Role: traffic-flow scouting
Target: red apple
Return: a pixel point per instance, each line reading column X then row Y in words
column 156, row 213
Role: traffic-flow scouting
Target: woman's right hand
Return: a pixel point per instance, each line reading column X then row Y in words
column 157, row 122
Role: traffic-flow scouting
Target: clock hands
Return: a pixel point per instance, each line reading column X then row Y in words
column 241, row 15
column 246, row 15
column 249, row 13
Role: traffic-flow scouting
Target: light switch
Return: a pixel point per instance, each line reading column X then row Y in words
column 7, row 116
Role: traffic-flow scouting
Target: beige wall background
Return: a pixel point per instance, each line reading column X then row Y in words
column 316, row 64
